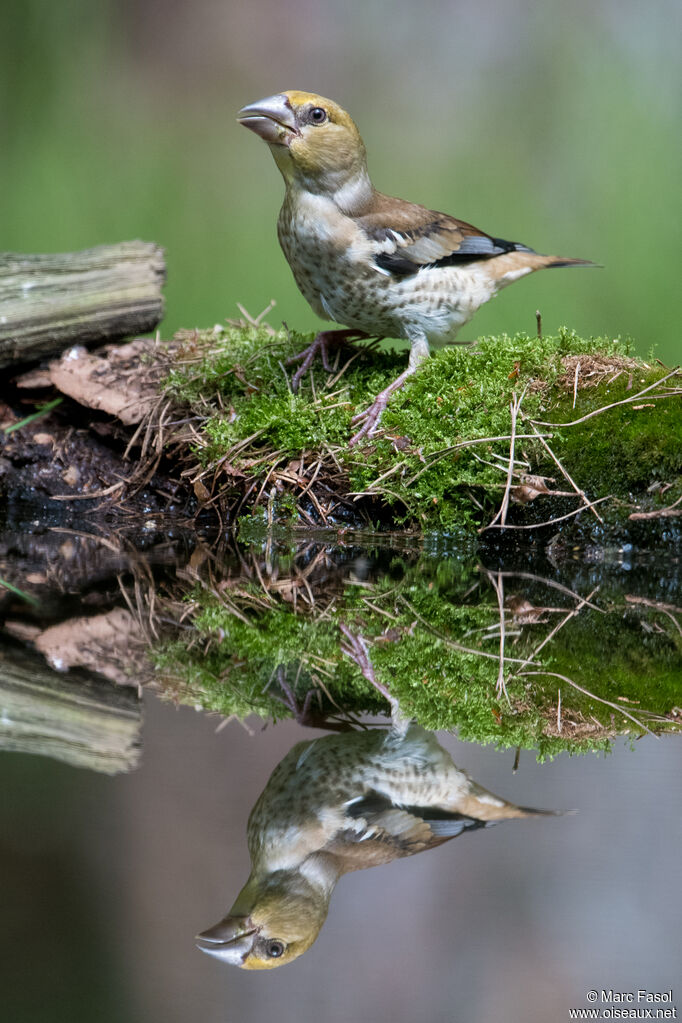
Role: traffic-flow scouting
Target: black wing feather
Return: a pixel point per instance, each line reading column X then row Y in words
column 443, row 823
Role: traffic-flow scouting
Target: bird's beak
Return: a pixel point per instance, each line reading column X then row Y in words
column 230, row 940
column 272, row 118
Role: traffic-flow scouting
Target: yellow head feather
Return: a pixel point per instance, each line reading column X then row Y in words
column 322, row 157
column 283, row 908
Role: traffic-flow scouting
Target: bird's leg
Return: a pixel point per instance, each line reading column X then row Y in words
column 355, row 647
column 370, row 417
column 322, row 343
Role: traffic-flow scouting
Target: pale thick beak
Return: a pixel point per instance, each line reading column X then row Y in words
column 230, row 940
column 272, row 118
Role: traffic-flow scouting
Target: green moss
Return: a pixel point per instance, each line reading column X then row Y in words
column 626, row 449
column 423, row 468
column 433, row 630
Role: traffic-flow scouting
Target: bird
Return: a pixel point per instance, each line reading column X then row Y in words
column 378, row 265
column 336, row 804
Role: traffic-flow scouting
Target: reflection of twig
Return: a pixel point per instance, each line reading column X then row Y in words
column 559, row 625
column 554, row 585
column 498, row 586
column 458, row 646
column 657, row 605
column 575, row 391
column 109, row 544
column 593, row 696
column 663, row 513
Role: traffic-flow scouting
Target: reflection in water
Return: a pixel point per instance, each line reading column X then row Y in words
column 505, row 650
column 336, row 804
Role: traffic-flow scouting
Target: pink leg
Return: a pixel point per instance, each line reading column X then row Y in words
column 355, row 647
column 322, row 343
column 370, row 416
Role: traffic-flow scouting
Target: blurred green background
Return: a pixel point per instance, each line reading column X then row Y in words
column 555, row 123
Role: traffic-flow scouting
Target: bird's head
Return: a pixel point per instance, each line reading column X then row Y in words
column 314, row 141
column 273, row 922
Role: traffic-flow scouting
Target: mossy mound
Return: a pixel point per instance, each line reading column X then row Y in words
column 441, row 457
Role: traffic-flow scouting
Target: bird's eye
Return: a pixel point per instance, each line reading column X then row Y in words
column 275, row 948
column 318, row 115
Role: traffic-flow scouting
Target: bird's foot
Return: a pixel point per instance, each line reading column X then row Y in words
column 371, row 416
column 356, row 648
column 305, row 713
column 325, row 340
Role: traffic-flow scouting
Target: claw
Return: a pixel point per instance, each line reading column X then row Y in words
column 371, row 416
column 322, row 343
column 305, row 714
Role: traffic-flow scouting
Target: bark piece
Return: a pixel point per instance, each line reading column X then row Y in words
column 48, row 302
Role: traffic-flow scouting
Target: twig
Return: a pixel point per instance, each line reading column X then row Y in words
column 384, row 476
column 444, row 452
column 88, row 497
column 575, row 390
column 514, row 406
column 255, row 321
column 564, row 473
column 557, row 627
column 624, row 401
column 286, row 375
column 314, row 477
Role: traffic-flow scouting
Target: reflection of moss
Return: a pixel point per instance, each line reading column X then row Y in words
column 634, row 658
column 417, row 620
column 238, row 382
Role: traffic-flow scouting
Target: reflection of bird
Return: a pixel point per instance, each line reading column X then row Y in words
column 380, row 265
column 336, row 804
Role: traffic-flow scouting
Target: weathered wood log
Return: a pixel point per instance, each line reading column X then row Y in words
column 102, row 294
column 75, row 716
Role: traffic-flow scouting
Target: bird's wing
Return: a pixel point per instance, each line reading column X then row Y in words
column 375, row 824
column 409, row 237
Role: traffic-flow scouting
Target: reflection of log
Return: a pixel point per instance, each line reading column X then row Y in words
column 74, row 717
column 50, row 301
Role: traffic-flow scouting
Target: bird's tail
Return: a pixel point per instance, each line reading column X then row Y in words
column 533, row 811
column 510, row 266
column 550, row 261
